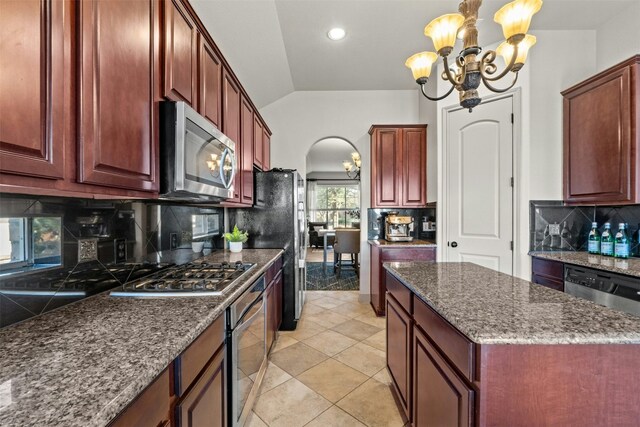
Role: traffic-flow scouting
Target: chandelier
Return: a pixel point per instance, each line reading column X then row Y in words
column 353, row 167
column 470, row 68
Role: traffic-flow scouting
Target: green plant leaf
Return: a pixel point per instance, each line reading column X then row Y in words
column 236, row 235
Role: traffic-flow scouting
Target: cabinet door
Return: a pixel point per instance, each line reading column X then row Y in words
column 209, row 80
column 258, row 144
column 440, row 396
column 118, row 89
column 246, row 136
column 399, row 328
column 206, row 403
column 414, row 167
column 180, row 53
column 279, row 283
column 385, row 163
column 231, row 126
column 271, row 311
column 32, row 80
column 266, row 150
column 151, row 407
column 600, row 158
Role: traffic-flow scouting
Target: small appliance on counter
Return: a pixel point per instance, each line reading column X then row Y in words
column 398, row 228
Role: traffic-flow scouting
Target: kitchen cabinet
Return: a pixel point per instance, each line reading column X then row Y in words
column 273, row 295
column 399, row 331
column 398, row 166
column 548, row 273
column 601, row 137
column 246, row 138
column 32, row 109
column 117, row 81
column 266, row 150
column 378, row 278
column 258, row 142
column 231, row 126
column 180, row 53
column 151, row 407
column 209, row 81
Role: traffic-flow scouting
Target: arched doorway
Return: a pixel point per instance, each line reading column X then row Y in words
column 333, row 203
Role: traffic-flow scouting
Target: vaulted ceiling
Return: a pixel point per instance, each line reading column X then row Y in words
column 280, row 46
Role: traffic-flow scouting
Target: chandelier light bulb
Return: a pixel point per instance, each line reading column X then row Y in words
column 421, row 64
column 336, row 34
column 506, row 50
column 515, row 17
column 443, row 31
column 347, row 165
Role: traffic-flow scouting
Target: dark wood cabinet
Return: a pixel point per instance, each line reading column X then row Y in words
column 273, row 294
column 440, row 396
column 246, row 138
column 378, row 278
column 398, row 166
column 266, row 150
column 601, row 137
column 258, row 143
column 205, row 405
column 180, row 53
column 548, row 273
column 32, row 110
column 151, row 407
column 271, row 316
column 399, row 330
column 117, row 85
column 231, row 125
column 209, row 81
column 278, row 290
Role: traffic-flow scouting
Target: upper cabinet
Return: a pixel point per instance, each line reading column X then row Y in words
column 398, row 166
column 32, row 114
column 231, row 126
column 180, row 53
column 209, row 81
column 258, row 144
column 246, row 137
column 118, row 122
column 266, row 150
column 601, row 137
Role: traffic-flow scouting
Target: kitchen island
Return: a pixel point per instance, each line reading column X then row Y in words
column 471, row 346
column 82, row 364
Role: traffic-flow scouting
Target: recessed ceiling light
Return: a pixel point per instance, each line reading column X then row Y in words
column 336, row 34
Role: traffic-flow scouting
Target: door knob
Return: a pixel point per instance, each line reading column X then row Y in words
column 454, row 244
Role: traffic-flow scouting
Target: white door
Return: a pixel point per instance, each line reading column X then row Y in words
column 479, row 185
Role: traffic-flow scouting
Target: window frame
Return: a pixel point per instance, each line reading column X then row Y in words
column 28, row 246
column 327, row 211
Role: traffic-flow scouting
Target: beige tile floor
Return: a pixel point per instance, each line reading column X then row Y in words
column 330, row 371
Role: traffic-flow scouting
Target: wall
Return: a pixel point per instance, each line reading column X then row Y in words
column 551, row 68
column 618, row 38
column 302, row 118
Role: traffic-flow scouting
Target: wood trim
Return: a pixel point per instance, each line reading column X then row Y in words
column 626, row 63
column 409, row 126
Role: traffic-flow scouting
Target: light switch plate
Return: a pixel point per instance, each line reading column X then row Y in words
column 87, row 250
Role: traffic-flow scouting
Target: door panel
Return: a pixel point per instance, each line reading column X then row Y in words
column 414, row 174
column 399, row 351
column 209, row 80
column 246, row 136
column 31, row 87
column 231, row 126
column 258, row 145
column 266, row 150
column 117, row 85
column 480, row 196
column 181, row 51
column 386, row 161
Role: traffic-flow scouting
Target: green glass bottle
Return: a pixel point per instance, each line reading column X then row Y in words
column 594, row 239
column 622, row 244
column 606, row 241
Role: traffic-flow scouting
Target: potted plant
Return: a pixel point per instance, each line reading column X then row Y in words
column 236, row 239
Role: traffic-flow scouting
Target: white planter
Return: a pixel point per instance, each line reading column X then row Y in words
column 235, row 246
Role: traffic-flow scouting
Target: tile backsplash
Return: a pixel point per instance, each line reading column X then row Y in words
column 375, row 219
column 87, row 246
column 556, row 227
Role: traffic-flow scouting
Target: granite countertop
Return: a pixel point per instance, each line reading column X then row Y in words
column 494, row 308
column 416, row 243
column 630, row 266
column 82, row 364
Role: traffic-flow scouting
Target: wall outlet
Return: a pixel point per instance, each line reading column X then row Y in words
column 119, row 250
column 87, row 250
column 173, row 241
column 187, row 236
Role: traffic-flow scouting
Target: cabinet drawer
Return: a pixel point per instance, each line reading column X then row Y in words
column 151, row 407
column 548, row 282
column 273, row 270
column 404, row 254
column 400, row 292
column 454, row 346
column 193, row 360
column 552, row 269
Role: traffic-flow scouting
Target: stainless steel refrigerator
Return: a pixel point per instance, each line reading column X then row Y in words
column 278, row 220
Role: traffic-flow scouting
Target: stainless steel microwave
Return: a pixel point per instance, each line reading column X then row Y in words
column 197, row 161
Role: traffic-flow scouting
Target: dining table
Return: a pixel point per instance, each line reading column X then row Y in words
column 325, row 233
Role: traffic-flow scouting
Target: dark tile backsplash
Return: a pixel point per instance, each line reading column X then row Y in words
column 556, row 227
column 151, row 236
column 375, row 219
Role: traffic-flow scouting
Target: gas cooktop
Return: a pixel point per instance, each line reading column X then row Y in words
column 198, row 278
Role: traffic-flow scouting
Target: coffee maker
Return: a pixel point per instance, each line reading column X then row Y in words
column 398, row 228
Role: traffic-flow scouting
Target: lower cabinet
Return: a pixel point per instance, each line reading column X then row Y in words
column 440, row 396
column 205, row 404
column 548, row 273
column 399, row 329
column 151, row 408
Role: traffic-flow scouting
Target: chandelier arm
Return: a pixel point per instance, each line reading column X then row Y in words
column 496, row 90
column 489, row 57
column 439, row 98
column 450, row 76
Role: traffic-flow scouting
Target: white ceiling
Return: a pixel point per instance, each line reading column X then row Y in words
column 328, row 154
column 279, row 46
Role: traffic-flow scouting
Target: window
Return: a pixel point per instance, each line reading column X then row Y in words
column 337, row 204
column 30, row 242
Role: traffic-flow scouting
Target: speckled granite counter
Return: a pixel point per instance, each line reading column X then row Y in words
column 493, row 308
column 83, row 364
column 416, row 243
column 630, row 267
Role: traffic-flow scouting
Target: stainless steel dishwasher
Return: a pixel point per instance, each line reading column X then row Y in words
column 246, row 346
